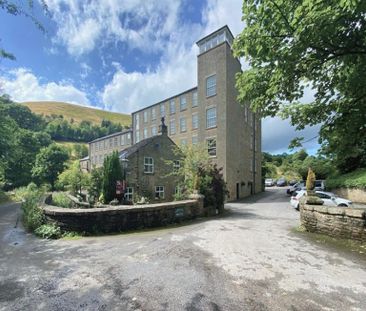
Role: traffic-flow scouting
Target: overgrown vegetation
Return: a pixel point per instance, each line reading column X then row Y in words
column 199, row 174
column 32, row 215
column 295, row 166
column 60, row 199
column 31, row 197
column 356, row 179
column 48, row 231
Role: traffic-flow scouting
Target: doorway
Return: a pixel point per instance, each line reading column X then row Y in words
column 237, row 191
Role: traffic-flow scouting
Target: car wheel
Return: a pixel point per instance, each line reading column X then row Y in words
column 297, row 207
column 343, row 205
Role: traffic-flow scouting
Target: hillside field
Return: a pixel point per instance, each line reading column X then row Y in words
column 78, row 113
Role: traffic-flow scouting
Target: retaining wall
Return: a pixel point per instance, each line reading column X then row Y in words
column 125, row 217
column 348, row 223
column 353, row 194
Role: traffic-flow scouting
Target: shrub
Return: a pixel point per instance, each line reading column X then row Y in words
column 310, row 180
column 95, row 185
column 112, row 172
column 73, row 179
column 60, row 199
column 48, row 231
column 213, row 187
column 31, row 198
column 355, row 179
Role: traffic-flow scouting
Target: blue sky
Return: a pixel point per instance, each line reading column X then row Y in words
column 118, row 55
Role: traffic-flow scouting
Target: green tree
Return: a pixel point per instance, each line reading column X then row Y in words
column 194, row 158
column 73, row 178
column 19, row 162
column 50, row 162
column 112, row 171
column 291, row 45
column 96, row 183
column 80, row 151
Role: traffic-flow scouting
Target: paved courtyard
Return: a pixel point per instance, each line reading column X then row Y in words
column 251, row 259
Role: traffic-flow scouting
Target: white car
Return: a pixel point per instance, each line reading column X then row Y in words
column 328, row 198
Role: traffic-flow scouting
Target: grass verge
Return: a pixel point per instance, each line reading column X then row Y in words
column 345, row 245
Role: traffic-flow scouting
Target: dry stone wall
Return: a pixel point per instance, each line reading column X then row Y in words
column 121, row 218
column 348, row 223
column 353, row 194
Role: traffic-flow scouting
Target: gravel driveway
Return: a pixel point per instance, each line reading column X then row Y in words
column 250, row 259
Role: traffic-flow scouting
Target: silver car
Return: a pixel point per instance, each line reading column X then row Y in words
column 328, row 198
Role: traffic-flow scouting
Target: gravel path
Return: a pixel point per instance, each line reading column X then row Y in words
column 251, row 259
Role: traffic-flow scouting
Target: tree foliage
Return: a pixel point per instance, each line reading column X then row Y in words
column 73, row 178
column 291, row 45
column 50, row 162
column 295, row 166
column 112, row 172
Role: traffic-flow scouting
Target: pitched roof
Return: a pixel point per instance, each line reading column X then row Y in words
column 125, row 153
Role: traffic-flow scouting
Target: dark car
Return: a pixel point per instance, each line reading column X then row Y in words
column 281, row 182
column 292, row 182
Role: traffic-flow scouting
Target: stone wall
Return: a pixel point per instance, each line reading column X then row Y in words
column 353, row 194
column 348, row 223
column 122, row 218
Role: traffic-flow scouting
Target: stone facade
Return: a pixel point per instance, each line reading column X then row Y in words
column 235, row 131
column 207, row 114
column 149, row 165
column 122, row 218
column 347, row 223
column 101, row 147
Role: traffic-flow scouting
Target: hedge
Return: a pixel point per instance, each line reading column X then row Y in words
column 356, row 179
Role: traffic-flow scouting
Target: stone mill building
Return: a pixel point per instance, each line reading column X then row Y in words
column 207, row 114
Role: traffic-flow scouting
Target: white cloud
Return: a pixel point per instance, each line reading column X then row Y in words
column 23, row 85
column 127, row 92
column 143, row 24
column 277, row 134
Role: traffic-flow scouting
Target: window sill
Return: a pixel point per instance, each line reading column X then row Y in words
column 208, row 96
column 212, row 127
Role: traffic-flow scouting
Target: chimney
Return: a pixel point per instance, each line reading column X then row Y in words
column 163, row 129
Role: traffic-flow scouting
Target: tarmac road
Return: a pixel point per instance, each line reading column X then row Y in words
column 251, row 259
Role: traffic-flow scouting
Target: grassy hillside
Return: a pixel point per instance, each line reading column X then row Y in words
column 78, row 113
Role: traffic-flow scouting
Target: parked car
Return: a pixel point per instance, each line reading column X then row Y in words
column 319, row 185
column 296, row 187
column 269, row 182
column 292, row 182
column 281, row 182
column 328, row 198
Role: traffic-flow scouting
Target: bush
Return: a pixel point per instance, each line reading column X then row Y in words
column 355, row 179
column 48, row 231
column 60, row 199
column 31, row 197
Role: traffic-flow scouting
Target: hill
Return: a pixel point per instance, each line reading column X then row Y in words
column 78, row 113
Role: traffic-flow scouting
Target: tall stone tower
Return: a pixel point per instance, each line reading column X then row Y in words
column 237, row 131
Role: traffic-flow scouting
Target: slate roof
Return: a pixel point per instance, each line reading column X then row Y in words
column 125, row 153
column 111, row 135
